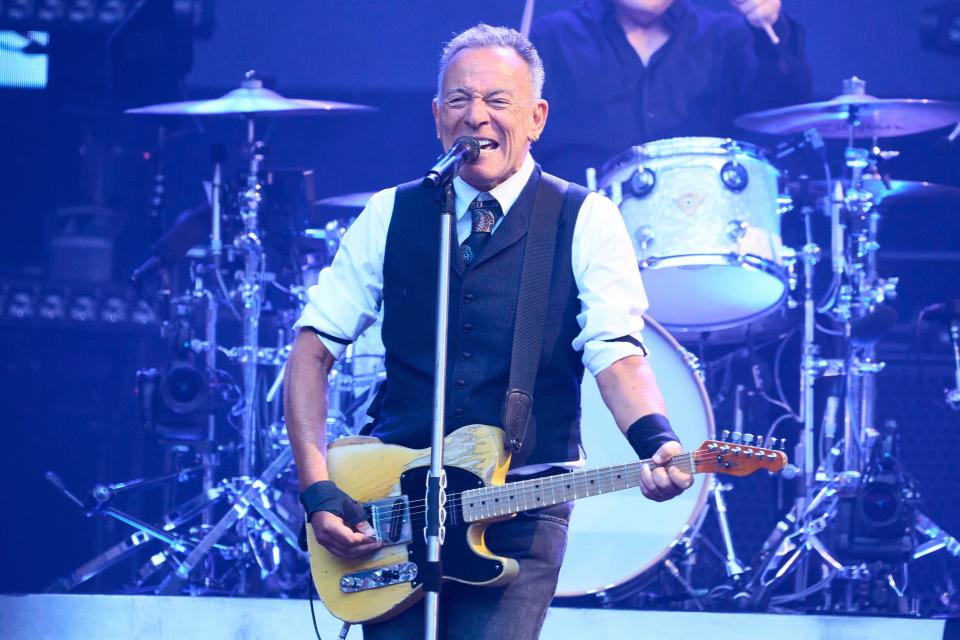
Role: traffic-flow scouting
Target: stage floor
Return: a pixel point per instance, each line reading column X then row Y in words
column 70, row 617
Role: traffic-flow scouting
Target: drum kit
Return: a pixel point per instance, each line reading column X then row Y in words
column 705, row 216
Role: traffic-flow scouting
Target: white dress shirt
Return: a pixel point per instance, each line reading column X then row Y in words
column 349, row 293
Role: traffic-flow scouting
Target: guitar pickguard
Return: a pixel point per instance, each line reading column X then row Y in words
column 460, row 561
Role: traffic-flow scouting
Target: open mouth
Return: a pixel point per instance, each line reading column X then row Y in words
column 486, row 144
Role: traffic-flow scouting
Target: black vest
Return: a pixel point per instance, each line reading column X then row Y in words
column 483, row 303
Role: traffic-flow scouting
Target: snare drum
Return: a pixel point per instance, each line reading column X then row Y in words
column 616, row 537
column 704, row 218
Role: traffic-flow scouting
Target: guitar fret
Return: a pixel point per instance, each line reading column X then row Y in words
column 501, row 500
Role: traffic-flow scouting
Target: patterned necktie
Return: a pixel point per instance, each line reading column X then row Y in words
column 485, row 211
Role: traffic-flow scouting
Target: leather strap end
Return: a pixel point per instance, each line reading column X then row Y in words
column 517, row 407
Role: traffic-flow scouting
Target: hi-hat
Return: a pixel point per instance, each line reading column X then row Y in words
column 250, row 99
column 864, row 115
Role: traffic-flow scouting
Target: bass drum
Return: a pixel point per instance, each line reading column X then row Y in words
column 616, row 537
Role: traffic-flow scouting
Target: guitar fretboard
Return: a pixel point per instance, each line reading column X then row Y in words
column 504, row 499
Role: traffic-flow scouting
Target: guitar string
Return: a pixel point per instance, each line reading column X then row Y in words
column 631, row 474
column 630, row 469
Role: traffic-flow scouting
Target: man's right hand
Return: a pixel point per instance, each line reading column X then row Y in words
column 339, row 539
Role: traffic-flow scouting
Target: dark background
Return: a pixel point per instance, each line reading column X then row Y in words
column 66, row 390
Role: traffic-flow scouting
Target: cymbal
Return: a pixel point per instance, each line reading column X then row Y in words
column 872, row 117
column 250, row 99
column 349, row 200
column 899, row 192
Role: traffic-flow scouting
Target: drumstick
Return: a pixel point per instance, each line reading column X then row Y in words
column 527, row 18
column 774, row 38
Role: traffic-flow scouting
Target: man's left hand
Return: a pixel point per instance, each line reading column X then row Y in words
column 663, row 483
column 758, row 12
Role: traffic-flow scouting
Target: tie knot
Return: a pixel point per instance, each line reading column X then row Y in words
column 485, row 211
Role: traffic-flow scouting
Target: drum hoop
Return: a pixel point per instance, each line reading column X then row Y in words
column 745, row 261
column 707, row 477
column 724, row 260
column 638, row 155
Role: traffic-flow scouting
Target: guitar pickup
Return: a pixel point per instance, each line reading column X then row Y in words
column 390, row 518
column 379, row 577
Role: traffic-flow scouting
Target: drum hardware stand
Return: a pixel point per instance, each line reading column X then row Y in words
column 102, row 495
column 854, row 227
column 250, row 356
column 251, row 494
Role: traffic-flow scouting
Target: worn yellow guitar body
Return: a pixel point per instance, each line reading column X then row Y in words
column 369, row 470
column 390, row 481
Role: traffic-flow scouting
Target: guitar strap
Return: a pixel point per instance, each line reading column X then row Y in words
column 531, row 317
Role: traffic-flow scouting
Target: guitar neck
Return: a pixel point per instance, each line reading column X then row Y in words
column 501, row 500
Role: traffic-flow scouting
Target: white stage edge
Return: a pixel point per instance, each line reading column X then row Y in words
column 102, row 617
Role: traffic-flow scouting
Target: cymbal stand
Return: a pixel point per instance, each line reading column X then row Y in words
column 251, row 293
column 859, row 289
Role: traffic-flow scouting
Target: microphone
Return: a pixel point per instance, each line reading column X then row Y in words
column 463, row 151
column 809, row 139
column 192, row 227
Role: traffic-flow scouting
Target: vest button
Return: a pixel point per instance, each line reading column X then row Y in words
column 458, row 412
column 465, row 356
column 461, row 384
column 467, row 328
column 468, row 298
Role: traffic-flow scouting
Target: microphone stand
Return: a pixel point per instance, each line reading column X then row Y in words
column 436, row 479
column 463, row 151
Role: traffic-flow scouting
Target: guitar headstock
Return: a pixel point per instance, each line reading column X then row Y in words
column 739, row 455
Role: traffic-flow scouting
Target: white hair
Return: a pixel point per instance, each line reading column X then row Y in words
column 483, row 36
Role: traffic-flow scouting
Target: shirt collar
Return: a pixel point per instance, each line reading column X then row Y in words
column 506, row 192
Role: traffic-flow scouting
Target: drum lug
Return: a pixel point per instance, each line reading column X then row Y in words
column 734, row 176
column 737, row 229
column 645, row 236
column 642, row 182
column 694, row 363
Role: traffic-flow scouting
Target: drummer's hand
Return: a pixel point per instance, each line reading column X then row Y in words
column 758, row 12
column 339, row 539
column 661, row 483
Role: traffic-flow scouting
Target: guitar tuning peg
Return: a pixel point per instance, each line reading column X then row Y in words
column 772, row 443
column 736, row 437
column 759, row 441
column 725, row 435
column 783, row 443
column 747, row 438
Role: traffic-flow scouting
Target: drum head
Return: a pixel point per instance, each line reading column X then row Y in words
column 700, row 293
column 617, row 536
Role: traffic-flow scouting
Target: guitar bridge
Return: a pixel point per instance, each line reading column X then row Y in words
column 390, row 518
column 379, row 577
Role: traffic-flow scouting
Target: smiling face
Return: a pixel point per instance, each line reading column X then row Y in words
column 488, row 94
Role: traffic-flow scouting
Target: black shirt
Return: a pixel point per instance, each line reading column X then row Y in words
column 603, row 99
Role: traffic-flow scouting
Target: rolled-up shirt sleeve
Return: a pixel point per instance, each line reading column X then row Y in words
column 612, row 298
column 348, row 294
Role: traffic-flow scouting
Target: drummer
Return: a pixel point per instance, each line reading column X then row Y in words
column 624, row 72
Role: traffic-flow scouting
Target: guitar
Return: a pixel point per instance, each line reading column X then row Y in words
column 390, row 482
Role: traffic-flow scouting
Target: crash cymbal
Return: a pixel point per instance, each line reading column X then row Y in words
column 349, row 200
column 893, row 192
column 870, row 117
column 250, row 99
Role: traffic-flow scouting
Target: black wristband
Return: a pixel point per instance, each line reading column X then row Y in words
column 327, row 496
column 649, row 433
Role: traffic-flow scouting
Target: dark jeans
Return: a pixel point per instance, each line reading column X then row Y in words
column 537, row 540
